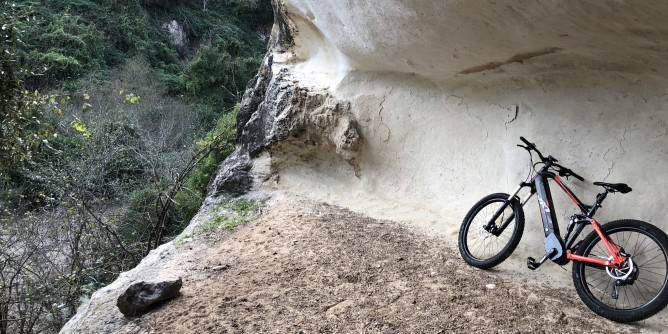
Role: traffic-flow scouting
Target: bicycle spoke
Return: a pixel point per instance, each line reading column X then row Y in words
column 483, row 245
column 651, row 264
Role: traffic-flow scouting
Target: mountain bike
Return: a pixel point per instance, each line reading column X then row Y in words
column 620, row 270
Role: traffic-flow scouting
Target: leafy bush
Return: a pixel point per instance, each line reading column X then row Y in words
column 218, row 76
column 190, row 198
column 93, row 171
column 137, row 220
column 67, row 44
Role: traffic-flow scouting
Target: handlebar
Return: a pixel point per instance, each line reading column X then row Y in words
column 563, row 171
column 550, row 161
column 531, row 146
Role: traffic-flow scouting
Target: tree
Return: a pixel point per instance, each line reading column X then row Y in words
column 103, row 163
column 19, row 135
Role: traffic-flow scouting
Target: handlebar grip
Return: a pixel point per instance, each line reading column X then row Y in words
column 563, row 171
column 577, row 176
column 531, row 146
column 526, row 141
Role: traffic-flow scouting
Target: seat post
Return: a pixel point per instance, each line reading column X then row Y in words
column 599, row 200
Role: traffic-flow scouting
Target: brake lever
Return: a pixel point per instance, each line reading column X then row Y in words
column 566, row 172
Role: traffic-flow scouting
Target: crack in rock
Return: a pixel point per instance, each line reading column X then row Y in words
column 517, row 110
column 518, row 58
column 385, row 136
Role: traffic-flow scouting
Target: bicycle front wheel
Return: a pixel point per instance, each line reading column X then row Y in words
column 481, row 248
column 637, row 290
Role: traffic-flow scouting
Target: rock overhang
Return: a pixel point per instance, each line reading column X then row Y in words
column 447, row 41
column 440, row 91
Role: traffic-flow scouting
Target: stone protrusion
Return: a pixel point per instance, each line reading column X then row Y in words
column 234, row 174
column 141, row 296
column 275, row 111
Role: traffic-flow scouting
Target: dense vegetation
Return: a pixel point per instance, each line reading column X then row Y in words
column 115, row 115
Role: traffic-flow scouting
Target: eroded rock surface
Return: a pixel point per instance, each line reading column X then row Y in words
column 411, row 110
column 276, row 113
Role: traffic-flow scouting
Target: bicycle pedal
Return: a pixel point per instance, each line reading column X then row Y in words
column 531, row 263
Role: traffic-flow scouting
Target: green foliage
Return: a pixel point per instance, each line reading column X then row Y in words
column 215, row 70
column 239, row 212
column 135, row 223
column 243, row 206
column 19, row 109
column 66, row 44
column 24, row 132
column 105, row 140
column 71, row 38
column 228, row 222
column 190, row 198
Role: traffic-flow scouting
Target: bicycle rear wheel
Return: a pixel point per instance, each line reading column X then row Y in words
column 634, row 292
column 482, row 249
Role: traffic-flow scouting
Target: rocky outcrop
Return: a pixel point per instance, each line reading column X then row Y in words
column 412, row 109
column 276, row 113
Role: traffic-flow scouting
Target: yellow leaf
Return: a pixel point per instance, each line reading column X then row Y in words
column 120, row 92
column 59, row 111
column 86, row 96
column 78, row 125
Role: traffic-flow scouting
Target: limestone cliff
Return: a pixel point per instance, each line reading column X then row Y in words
column 412, row 109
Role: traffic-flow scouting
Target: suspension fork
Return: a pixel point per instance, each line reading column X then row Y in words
column 497, row 230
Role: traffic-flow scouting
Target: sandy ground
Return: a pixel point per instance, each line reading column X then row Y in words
column 308, row 267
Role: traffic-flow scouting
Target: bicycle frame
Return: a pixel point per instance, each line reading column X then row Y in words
column 618, row 285
column 556, row 249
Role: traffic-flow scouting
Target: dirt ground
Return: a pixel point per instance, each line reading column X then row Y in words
column 307, row 267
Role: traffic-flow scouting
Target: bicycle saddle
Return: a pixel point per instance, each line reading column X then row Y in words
column 621, row 187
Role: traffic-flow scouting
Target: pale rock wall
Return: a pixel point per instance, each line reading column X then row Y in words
column 438, row 93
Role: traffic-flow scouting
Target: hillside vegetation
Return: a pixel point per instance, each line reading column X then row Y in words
column 115, row 115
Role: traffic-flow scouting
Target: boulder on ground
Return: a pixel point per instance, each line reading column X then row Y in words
column 141, row 296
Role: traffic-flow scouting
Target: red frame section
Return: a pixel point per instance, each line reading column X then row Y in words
column 617, row 260
column 567, row 191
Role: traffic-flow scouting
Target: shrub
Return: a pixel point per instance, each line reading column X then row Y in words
column 190, row 198
column 137, row 220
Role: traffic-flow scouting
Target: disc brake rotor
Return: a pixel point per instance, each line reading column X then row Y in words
column 622, row 273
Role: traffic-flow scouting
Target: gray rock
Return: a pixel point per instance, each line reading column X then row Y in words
column 275, row 112
column 141, row 296
column 233, row 175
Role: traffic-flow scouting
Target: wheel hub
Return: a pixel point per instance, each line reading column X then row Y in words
column 483, row 233
column 624, row 275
